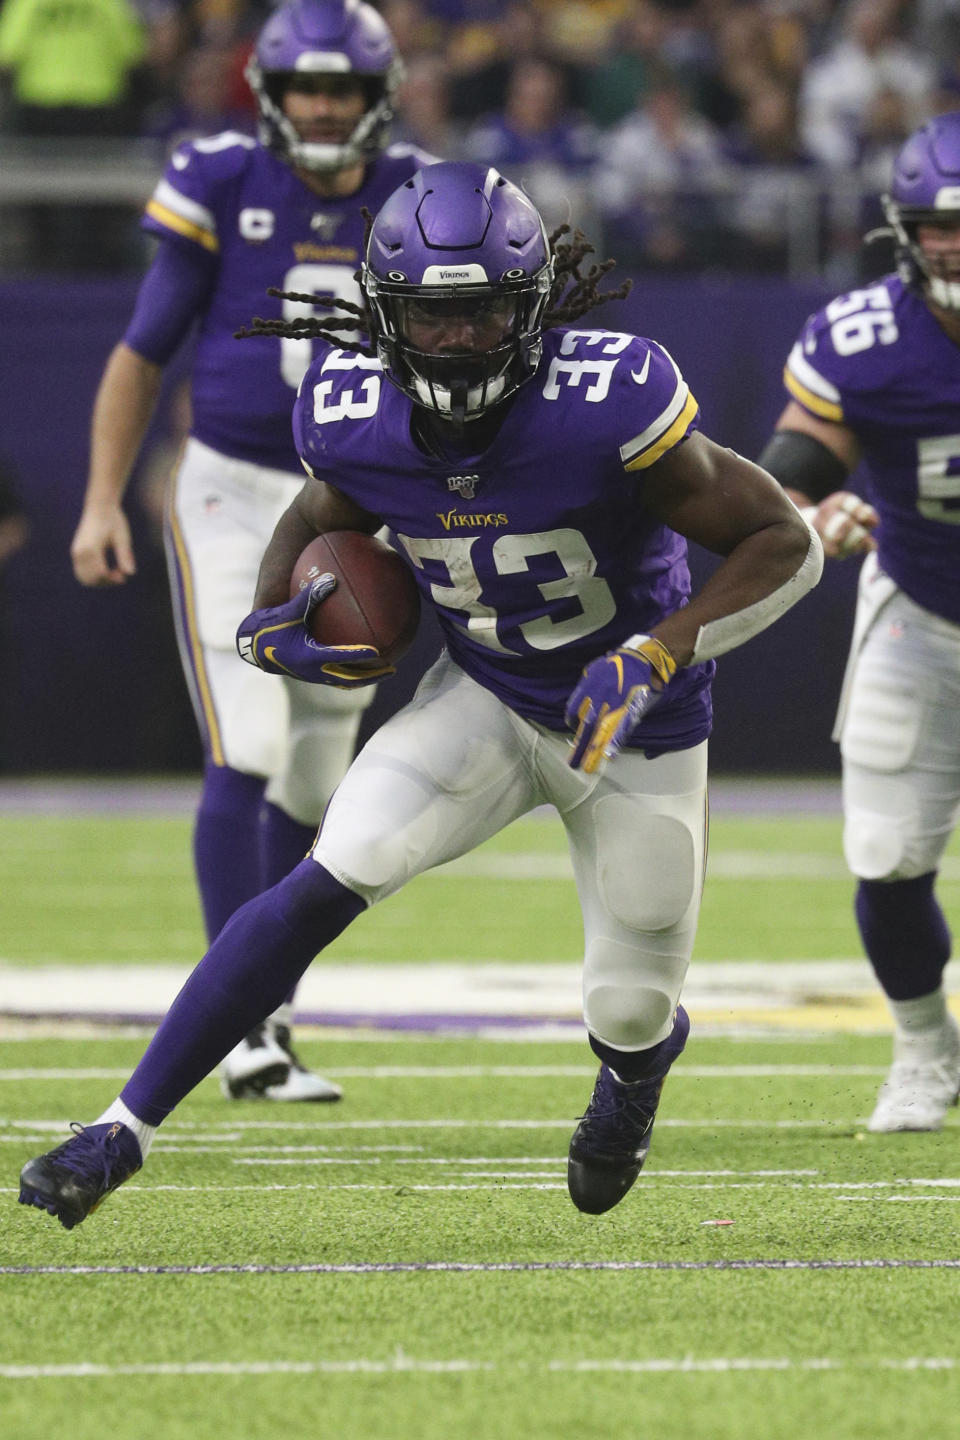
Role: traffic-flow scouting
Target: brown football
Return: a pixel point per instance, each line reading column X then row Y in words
column 376, row 601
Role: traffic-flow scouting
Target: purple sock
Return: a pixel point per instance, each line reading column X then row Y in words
column 225, row 844
column 904, row 933
column 283, row 843
column 255, row 961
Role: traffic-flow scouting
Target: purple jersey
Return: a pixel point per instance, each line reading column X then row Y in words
column 538, row 555
column 877, row 361
column 238, row 202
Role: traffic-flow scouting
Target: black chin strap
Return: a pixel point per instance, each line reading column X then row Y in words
column 459, row 394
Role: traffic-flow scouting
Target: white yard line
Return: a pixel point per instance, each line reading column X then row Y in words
column 663, row 1122
column 482, row 1072
column 488, row 1267
column 403, row 1364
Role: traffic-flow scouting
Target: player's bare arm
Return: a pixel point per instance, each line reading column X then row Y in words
column 101, row 551
column 811, row 458
column 318, row 507
column 733, row 508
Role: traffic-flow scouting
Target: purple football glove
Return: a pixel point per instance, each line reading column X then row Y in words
column 614, row 693
column 277, row 640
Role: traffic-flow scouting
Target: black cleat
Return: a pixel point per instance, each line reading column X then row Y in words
column 78, row 1175
column 611, row 1142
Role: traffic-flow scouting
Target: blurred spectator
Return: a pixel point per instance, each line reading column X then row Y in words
column 946, row 92
column 839, row 87
column 423, row 109
column 656, row 186
column 772, row 208
column 534, row 126
column 481, row 74
column 936, row 26
column 666, row 87
column 170, row 33
column 471, row 29
column 538, row 142
column 886, row 125
column 203, row 102
column 71, row 65
column 752, row 49
column 415, row 31
column 582, row 33
column 71, row 71
column 625, row 75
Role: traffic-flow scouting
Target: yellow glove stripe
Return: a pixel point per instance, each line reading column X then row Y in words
column 602, row 735
column 356, row 672
column 268, row 650
column 270, row 655
column 657, row 655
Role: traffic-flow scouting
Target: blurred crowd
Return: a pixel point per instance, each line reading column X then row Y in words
column 726, row 134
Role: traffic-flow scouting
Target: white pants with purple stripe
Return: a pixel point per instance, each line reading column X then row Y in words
column 899, row 732
column 299, row 737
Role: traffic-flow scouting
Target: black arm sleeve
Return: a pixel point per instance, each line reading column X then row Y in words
column 801, row 462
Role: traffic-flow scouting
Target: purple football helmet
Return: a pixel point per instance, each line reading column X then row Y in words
column 925, row 190
column 458, row 239
column 325, row 37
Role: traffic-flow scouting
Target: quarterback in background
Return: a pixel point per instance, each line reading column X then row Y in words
column 233, row 217
column 540, row 476
column 875, row 376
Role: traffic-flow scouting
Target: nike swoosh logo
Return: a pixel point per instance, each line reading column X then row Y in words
column 641, row 379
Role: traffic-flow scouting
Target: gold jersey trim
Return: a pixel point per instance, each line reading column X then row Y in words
column 826, row 409
column 172, row 221
column 668, row 439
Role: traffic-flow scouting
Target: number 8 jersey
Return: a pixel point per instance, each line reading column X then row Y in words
column 538, row 554
column 230, row 199
column 877, row 362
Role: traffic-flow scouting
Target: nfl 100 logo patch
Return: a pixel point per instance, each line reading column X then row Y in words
column 464, row 485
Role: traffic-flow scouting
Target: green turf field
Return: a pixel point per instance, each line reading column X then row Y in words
column 120, row 890
column 407, row 1263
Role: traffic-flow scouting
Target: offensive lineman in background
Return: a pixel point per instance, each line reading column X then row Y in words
column 876, row 376
column 235, row 216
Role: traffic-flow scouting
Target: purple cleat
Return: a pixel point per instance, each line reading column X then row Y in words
column 611, row 1142
column 73, row 1179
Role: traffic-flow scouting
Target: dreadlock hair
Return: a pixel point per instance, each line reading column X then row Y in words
column 572, row 294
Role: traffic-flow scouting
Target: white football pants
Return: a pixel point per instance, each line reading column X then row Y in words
column 899, row 732
column 300, row 737
column 456, row 765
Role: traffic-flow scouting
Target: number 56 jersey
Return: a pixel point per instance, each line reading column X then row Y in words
column 877, row 362
column 538, row 554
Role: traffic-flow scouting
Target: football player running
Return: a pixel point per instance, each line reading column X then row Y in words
column 233, row 217
column 875, row 376
column 540, row 477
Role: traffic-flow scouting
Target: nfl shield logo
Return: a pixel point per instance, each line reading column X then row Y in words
column 465, row 485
